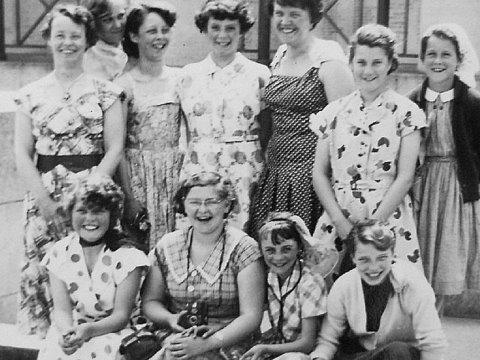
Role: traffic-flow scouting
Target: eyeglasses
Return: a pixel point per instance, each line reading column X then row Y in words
column 208, row 203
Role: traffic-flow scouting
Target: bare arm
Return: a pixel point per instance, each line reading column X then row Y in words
column 122, row 309
column 324, row 190
column 114, row 138
column 153, row 297
column 24, row 152
column 305, row 343
column 409, row 149
column 337, row 79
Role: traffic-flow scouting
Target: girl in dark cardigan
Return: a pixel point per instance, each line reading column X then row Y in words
column 447, row 192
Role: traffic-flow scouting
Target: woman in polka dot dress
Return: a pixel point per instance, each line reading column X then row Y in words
column 94, row 277
column 307, row 74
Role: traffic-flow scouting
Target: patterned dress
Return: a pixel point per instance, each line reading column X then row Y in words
column 286, row 181
column 364, row 148
column 214, row 281
column 221, row 105
column 67, row 124
column 92, row 295
column 152, row 147
column 448, row 227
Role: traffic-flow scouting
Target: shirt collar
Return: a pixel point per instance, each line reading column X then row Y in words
column 236, row 65
column 445, row 96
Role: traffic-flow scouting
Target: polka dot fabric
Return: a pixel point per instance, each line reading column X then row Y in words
column 286, row 182
column 92, row 294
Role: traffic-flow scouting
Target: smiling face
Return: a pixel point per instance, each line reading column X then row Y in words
column 90, row 222
column 372, row 264
column 370, row 67
column 153, row 37
column 280, row 257
column 224, row 36
column 440, row 63
column 67, row 40
column 205, row 209
column 110, row 26
column 292, row 24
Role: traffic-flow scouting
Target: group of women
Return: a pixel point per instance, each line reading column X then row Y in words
column 342, row 149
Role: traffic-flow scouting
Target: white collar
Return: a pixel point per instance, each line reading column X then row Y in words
column 445, row 96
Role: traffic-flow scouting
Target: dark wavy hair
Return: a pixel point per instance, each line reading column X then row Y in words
column 314, row 8
column 99, row 191
column 225, row 9
column 376, row 35
column 370, row 232
column 78, row 14
column 137, row 16
column 224, row 186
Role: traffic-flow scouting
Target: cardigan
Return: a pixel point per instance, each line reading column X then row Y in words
column 466, row 133
column 410, row 315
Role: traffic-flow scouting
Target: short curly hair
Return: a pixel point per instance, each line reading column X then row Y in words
column 225, row 9
column 78, row 14
column 137, row 16
column 376, row 35
column 223, row 185
column 370, row 232
column 314, row 8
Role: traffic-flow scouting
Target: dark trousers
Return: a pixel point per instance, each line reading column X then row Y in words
column 396, row 350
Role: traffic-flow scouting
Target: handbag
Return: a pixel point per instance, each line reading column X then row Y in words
column 143, row 343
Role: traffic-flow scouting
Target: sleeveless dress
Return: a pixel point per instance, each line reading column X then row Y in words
column 364, row 142
column 286, row 181
column 152, row 146
column 69, row 126
column 221, row 106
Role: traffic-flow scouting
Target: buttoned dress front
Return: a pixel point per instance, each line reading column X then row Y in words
column 221, row 105
column 364, row 145
column 92, row 295
column 213, row 282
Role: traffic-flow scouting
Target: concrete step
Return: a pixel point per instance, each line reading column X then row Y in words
column 16, row 346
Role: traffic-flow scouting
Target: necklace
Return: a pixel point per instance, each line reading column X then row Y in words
column 66, row 89
column 85, row 243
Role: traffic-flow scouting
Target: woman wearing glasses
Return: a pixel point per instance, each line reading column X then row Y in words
column 210, row 267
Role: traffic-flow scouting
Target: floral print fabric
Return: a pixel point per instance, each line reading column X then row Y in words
column 64, row 122
column 152, row 148
column 220, row 105
column 364, row 148
column 92, row 294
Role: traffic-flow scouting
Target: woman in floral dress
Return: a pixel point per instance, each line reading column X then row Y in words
column 221, row 98
column 71, row 122
column 153, row 159
column 307, row 74
column 368, row 147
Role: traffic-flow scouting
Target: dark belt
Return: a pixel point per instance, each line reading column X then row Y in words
column 75, row 163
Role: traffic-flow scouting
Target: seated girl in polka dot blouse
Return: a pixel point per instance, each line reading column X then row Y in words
column 94, row 277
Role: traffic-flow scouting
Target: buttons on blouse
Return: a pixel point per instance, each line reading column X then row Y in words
column 194, row 273
column 190, row 288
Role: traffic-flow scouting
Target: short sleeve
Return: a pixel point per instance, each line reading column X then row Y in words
column 313, row 295
column 126, row 260
column 245, row 253
column 56, row 258
column 125, row 83
column 411, row 120
column 323, row 122
column 108, row 93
